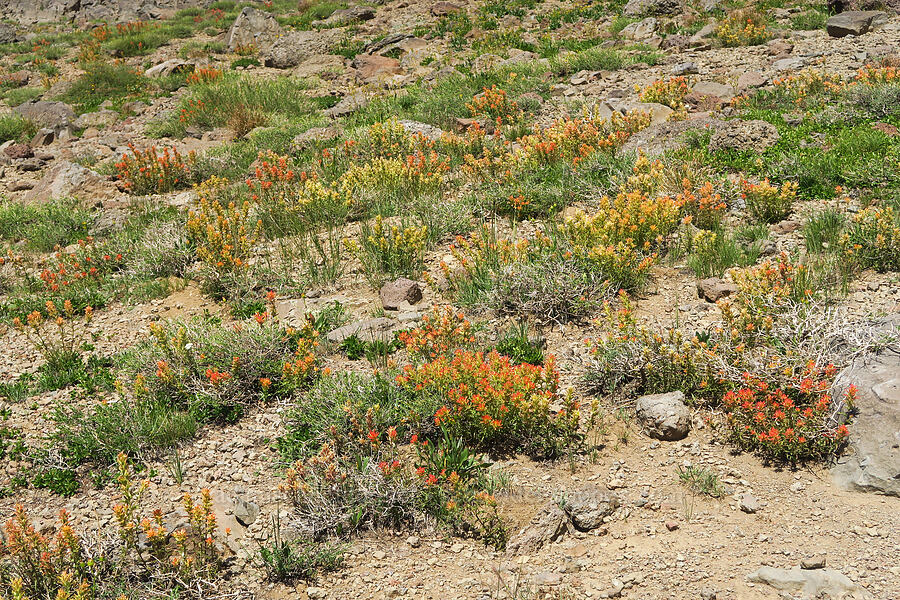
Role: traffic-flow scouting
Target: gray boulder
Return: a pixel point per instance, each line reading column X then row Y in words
column 346, row 16
column 664, row 416
column 872, row 462
column 101, row 118
column 820, row 583
column 47, row 114
column 737, row 134
column 8, row 34
column 589, row 506
column 253, row 27
column 855, row 22
column 168, row 67
column 291, row 49
column 639, row 8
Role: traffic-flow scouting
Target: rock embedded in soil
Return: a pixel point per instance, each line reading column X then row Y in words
column 589, row 506
column 820, row 583
column 856, row 22
column 400, row 293
column 252, row 27
column 714, row 289
column 872, row 460
column 664, row 416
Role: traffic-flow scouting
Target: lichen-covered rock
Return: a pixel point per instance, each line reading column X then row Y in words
column 664, row 416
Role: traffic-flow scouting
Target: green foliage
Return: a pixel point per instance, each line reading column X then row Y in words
column 714, row 252
column 701, row 481
column 241, row 103
column 592, row 59
column 519, row 346
column 823, row 229
column 14, row 127
column 104, row 81
column 336, row 406
column 43, row 226
column 286, row 561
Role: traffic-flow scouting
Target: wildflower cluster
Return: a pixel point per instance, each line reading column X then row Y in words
column 493, row 103
column 633, row 357
column 457, row 489
column 203, row 75
column 389, row 249
column 789, row 424
column 873, row 238
column 743, row 29
column 290, row 200
column 62, row 565
column 703, row 207
column 90, row 262
column 149, row 172
column 573, row 140
column 217, row 371
column 769, row 203
column 60, row 344
column 669, row 92
column 223, row 235
column 809, row 86
column 441, row 332
column 491, row 403
column 765, row 291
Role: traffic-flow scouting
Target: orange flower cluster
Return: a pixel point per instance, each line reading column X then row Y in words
column 203, row 75
column 54, row 565
column 791, row 424
column 441, row 332
column 669, row 92
column 149, row 172
column 489, row 402
column 494, row 103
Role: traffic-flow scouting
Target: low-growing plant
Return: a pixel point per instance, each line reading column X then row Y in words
column 490, row 403
column 442, row 332
column 149, row 172
column 769, row 203
column 14, row 127
column 389, row 251
column 790, row 424
column 60, row 346
column 669, row 92
column 216, row 371
column 872, row 239
column 822, row 230
column 701, row 481
column 743, row 28
column 519, row 346
column 286, row 560
column 146, row 558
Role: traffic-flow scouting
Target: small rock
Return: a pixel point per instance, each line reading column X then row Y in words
column 379, row 555
column 399, row 292
column 749, row 504
column 854, row 22
column 813, row 562
column 589, row 506
column 685, row 68
column 440, row 9
column 664, row 416
column 671, row 525
column 714, row 289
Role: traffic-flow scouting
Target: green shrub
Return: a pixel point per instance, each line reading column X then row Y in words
column 46, row 225
column 14, row 127
column 822, row 230
column 104, row 81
